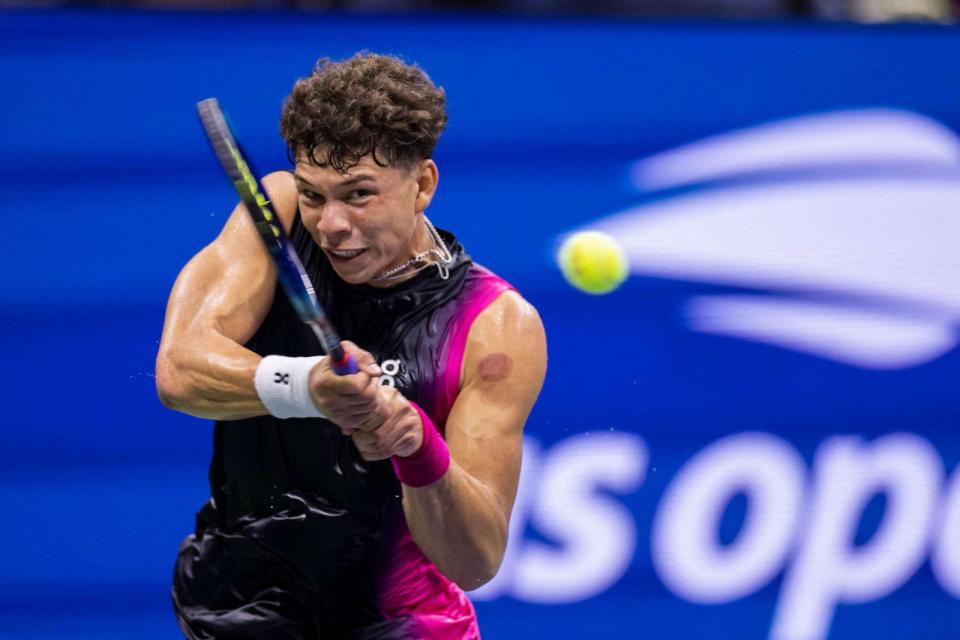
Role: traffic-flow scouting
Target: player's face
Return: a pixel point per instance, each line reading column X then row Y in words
column 367, row 221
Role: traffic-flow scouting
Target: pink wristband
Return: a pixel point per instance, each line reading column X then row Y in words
column 430, row 461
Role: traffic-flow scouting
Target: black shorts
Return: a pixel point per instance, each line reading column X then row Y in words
column 304, row 572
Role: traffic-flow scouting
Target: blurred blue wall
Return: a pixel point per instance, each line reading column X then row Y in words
column 109, row 188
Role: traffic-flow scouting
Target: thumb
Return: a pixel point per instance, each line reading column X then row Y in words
column 365, row 361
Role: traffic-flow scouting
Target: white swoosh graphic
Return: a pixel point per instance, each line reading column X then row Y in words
column 865, row 268
column 862, row 138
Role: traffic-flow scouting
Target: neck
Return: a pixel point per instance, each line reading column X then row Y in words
column 425, row 250
column 422, row 239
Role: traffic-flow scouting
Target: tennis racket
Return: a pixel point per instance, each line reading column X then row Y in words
column 290, row 272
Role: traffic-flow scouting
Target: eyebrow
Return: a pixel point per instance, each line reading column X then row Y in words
column 346, row 183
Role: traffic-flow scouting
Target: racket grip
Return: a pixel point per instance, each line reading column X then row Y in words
column 345, row 365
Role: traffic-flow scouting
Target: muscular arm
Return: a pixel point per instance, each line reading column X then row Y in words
column 218, row 301
column 461, row 521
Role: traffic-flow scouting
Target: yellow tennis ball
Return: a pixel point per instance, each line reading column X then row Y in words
column 593, row 262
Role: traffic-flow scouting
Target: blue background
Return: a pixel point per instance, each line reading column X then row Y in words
column 109, row 188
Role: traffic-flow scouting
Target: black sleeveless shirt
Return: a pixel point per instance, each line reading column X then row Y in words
column 258, row 458
column 295, row 525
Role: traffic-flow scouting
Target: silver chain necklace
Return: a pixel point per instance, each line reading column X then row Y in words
column 439, row 250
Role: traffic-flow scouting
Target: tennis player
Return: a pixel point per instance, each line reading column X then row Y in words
column 359, row 506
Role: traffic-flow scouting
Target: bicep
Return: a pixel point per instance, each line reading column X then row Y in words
column 228, row 287
column 503, row 370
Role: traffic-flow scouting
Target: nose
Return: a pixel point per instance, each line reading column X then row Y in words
column 334, row 224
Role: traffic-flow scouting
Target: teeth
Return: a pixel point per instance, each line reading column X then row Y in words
column 346, row 254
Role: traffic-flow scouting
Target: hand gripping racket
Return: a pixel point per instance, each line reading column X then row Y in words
column 290, row 272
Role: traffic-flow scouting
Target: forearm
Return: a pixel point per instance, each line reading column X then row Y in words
column 459, row 523
column 209, row 377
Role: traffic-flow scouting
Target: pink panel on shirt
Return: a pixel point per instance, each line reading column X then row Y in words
column 411, row 584
column 479, row 292
column 414, row 586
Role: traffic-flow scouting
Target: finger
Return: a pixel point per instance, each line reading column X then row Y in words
column 364, row 359
column 368, row 365
column 351, row 385
column 406, row 446
column 366, row 410
column 365, row 416
column 355, row 422
column 372, row 457
column 359, row 412
column 371, row 421
column 347, row 423
column 409, row 432
column 370, row 392
column 391, row 443
column 360, row 402
column 356, row 403
column 388, row 404
column 368, row 446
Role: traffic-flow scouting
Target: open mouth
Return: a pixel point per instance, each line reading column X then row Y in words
column 344, row 255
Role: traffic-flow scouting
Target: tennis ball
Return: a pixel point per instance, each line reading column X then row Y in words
column 593, row 262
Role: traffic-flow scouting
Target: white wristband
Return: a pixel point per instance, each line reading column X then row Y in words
column 283, row 384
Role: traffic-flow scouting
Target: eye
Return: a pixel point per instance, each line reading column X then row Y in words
column 313, row 196
column 359, row 194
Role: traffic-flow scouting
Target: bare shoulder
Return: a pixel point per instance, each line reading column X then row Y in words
column 509, row 316
column 507, row 341
column 282, row 191
column 238, row 238
column 230, row 284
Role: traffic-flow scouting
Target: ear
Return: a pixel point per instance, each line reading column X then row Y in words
column 427, row 177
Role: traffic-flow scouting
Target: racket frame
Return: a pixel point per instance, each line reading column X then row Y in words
column 291, row 274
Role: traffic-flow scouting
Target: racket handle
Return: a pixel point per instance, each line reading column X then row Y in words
column 345, row 365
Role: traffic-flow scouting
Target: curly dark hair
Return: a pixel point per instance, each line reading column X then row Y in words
column 368, row 104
